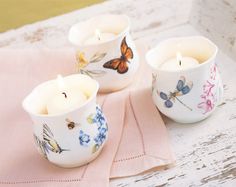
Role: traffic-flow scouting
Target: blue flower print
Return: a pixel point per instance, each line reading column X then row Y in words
column 99, row 118
column 100, row 138
column 83, row 138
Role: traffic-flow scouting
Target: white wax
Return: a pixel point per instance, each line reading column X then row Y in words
column 61, row 103
column 99, row 38
column 174, row 65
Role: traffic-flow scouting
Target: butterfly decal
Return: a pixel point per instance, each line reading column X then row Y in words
column 121, row 64
column 48, row 143
column 41, row 145
column 182, row 88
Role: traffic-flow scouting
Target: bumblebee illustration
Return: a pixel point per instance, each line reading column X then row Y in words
column 70, row 124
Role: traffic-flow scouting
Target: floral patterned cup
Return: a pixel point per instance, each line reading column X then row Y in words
column 189, row 95
column 73, row 138
column 112, row 62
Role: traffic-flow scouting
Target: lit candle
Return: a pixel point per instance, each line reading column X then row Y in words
column 65, row 99
column 179, row 63
column 99, row 37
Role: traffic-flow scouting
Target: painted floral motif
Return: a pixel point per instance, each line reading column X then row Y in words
column 208, row 96
column 100, row 138
column 48, row 144
column 99, row 118
column 207, row 89
column 100, row 121
column 84, row 138
column 182, row 88
column 83, row 63
column 207, row 104
column 213, row 72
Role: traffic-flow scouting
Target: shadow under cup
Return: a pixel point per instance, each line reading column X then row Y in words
column 187, row 95
column 72, row 138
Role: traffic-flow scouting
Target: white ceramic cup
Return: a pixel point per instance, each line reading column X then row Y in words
column 72, row 138
column 112, row 62
column 189, row 95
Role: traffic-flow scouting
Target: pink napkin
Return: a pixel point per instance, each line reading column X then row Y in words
column 144, row 144
column 137, row 135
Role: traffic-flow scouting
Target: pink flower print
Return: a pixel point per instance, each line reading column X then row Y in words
column 207, row 104
column 213, row 72
column 208, row 97
column 207, row 89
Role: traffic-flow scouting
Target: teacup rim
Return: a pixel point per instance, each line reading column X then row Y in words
column 184, row 70
column 125, row 30
column 25, row 100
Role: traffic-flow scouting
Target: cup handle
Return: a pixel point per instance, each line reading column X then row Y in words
column 220, row 92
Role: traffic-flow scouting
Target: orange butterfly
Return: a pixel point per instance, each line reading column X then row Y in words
column 120, row 64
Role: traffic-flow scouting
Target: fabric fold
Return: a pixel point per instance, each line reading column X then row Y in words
column 94, row 174
column 145, row 132
column 114, row 110
column 137, row 138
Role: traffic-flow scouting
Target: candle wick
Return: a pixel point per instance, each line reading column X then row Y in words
column 64, row 94
column 180, row 62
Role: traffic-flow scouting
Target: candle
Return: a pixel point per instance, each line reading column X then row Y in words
column 99, row 37
column 179, row 63
column 65, row 99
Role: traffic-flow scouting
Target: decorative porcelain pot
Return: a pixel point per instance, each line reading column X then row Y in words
column 188, row 95
column 72, row 138
column 112, row 58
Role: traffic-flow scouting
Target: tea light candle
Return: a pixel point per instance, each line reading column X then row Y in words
column 179, row 63
column 65, row 99
column 99, row 37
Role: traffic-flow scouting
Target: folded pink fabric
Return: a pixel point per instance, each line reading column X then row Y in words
column 144, row 143
column 137, row 135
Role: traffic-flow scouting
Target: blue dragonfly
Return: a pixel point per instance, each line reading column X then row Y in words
column 182, row 88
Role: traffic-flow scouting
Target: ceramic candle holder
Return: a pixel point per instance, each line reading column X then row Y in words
column 72, row 138
column 112, row 60
column 187, row 95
